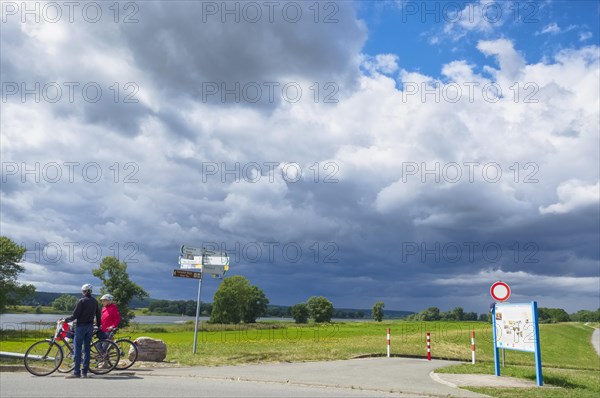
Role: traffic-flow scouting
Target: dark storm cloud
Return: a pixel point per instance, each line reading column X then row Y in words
column 182, row 45
column 174, row 166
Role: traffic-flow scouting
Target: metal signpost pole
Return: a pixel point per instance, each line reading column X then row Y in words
column 198, row 302
column 539, row 380
column 495, row 337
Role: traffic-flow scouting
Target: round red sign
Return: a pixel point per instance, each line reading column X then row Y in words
column 500, row 291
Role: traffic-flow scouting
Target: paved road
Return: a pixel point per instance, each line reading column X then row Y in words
column 19, row 384
column 404, row 375
column 596, row 340
column 373, row 377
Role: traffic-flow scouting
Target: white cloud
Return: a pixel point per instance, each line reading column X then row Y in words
column 552, row 28
column 522, row 279
column 381, row 63
column 511, row 62
column 573, row 194
column 485, row 16
column 584, row 36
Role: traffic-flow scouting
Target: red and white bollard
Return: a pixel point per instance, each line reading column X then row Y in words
column 428, row 346
column 472, row 346
column 388, row 343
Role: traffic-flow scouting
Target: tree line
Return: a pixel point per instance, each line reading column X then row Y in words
column 188, row 307
column 545, row 315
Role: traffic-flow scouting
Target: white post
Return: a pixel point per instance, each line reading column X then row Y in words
column 388, row 342
column 473, row 346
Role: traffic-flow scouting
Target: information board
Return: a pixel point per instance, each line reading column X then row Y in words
column 515, row 329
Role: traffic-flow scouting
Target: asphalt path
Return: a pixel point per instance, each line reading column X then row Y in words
column 138, row 385
column 372, row 377
column 596, row 340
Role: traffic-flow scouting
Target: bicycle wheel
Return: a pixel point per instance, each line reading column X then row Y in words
column 68, row 362
column 43, row 358
column 104, row 356
column 129, row 352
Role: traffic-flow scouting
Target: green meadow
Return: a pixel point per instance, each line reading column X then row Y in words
column 568, row 357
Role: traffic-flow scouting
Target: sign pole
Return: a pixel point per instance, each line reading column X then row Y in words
column 198, row 302
column 192, row 259
column 496, row 359
column 538, row 352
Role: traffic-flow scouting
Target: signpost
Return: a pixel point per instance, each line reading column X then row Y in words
column 186, row 263
column 191, row 251
column 187, row 274
column 515, row 327
column 199, row 262
column 208, row 264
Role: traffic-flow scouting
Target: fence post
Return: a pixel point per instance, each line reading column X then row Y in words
column 388, row 342
column 473, row 346
column 428, row 346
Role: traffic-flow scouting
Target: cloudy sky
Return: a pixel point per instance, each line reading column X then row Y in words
column 406, row 152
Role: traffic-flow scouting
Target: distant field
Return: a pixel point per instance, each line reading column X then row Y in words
column 568, row 357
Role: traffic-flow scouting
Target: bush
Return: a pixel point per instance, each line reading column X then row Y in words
column 236, row 300
column 300, row 313
column 320, row 309
column 377, row 311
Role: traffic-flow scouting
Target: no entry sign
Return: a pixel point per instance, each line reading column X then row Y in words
column 500, row 291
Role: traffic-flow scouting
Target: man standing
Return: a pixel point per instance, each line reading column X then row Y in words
column 86, row 309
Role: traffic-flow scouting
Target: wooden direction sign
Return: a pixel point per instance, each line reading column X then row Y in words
column 187, row 274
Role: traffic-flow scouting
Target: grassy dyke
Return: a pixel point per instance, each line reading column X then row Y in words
column 568, row 357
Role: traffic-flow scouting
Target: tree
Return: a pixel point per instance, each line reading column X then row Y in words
column 586, row 316
column 115, row 280
column 377, row 311
column 430, row 314
column 458, row 314
column 255, row 305
column 12, row 292
column 470, row 316
column 236, row 300
column 65, row 303
column 300, row 313
column 320, row 309
column 553, row 315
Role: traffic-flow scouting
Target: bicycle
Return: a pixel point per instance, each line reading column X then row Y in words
column 128, row 353
column 128, row 350
column 47, row 356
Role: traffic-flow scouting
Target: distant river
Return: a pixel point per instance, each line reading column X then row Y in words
column 36, row 321
column 33, row 321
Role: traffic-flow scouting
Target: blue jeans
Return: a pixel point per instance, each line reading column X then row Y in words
column 83, row 337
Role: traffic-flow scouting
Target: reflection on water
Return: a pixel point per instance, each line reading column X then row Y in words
column 44, row 321
column 47, row 321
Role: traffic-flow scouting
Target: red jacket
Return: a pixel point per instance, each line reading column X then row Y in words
column 110, row 317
